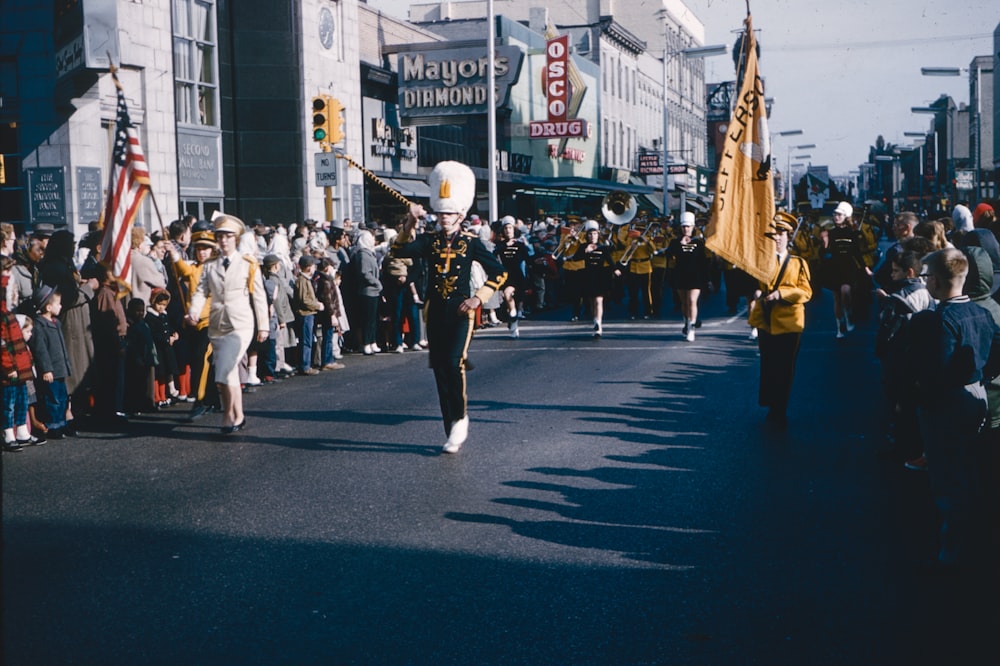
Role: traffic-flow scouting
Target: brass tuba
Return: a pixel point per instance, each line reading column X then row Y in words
column 619, row 207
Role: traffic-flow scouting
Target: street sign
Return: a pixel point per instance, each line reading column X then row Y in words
column 964, row 179
column 649, row 164
column 326, row 170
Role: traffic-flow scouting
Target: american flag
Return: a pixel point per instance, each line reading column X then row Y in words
column 128, row 186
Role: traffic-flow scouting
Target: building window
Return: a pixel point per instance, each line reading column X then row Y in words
column 196, row 64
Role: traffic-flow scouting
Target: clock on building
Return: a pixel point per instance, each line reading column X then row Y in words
column 326, row 27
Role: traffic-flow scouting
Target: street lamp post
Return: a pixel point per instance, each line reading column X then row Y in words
column 791, row 185
column 957, row 71
column 694, row 52
column 788, row 177
column 947, row 109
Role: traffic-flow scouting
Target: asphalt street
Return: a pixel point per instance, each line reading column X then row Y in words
column 619, row 501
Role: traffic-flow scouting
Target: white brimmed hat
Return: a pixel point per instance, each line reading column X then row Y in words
column 229, row 224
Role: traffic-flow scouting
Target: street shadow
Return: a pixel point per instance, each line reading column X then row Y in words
column 647, row 507
column 189, row 597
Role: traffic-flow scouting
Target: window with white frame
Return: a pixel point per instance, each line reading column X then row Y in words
column 196, row 67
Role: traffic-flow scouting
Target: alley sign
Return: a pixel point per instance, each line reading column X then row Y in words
column 326, row 169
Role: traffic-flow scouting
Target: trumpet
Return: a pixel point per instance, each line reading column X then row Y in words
column 567, row 239
column 636, row 242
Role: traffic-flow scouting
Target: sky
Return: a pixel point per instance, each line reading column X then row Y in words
column 844, row 71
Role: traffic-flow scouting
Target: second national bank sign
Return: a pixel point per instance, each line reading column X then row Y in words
column 437, row 84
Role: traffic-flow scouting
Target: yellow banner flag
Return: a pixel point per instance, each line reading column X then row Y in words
column 744, row 191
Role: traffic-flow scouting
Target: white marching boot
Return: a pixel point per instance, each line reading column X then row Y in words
column 459, row 433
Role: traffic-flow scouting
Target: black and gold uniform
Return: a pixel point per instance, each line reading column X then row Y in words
column 843, row 261
column 513, row 254
column 572, row 269
column 598, row 267
column 639, row 276
column 660, row 240
column 690, row 263
column 449, row 283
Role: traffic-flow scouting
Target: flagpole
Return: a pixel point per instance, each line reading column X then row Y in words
column 129, row 184
column 744, row 198
column 163, row 232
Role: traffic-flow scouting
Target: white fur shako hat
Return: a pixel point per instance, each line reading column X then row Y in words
column 453, row 188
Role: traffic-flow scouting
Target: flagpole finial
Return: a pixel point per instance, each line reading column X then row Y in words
column 111, row 64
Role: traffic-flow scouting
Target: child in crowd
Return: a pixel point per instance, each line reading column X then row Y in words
column 950, row 346
column 52, row 366
column 16, row 362
column 278, row 291
column 333, row 323
column 140, row 359
column 164, row 337
column 890, row 346
column 306, row 306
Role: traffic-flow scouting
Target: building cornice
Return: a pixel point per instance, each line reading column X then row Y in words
column 617, row 33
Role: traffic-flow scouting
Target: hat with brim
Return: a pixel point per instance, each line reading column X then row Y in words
column 42, row 296
column 204, row 239
column 229, row 224
column 782, row 223
column 43, row 230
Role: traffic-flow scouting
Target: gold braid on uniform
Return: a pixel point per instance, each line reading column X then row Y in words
column 378, row 181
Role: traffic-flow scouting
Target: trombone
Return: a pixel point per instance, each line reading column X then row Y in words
column 566, row 241
column 636, row 242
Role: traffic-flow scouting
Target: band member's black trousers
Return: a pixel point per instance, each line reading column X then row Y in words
column 777, row 368
column 448, row 334
column 656, row 280
column 638, row 294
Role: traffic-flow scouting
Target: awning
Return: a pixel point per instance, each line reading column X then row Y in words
column 409, row 187
column 654, row 201
column 576, row 188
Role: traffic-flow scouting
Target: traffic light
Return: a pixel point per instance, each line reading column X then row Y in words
column 336, row 120
column 321, row 118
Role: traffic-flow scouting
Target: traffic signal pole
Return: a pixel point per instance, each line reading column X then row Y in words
column 328, row 191
column 328, row 129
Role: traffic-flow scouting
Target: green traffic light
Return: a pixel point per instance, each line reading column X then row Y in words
column 319, row 121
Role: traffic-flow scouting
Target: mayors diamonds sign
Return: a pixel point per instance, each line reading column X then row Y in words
column 435, row 84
